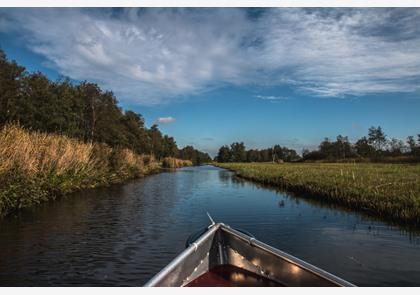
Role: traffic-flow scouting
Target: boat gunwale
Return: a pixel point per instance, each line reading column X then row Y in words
column 213, row 228
column 289, row 258
column 184, row 254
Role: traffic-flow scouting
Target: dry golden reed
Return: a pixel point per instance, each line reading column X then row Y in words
column 170, row 162
column 36, row 166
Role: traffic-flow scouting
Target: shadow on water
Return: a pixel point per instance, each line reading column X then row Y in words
column 122, row 235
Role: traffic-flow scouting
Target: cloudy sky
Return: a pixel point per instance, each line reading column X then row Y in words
column 212, row 76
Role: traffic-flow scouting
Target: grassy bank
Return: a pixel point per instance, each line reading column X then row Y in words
column 36, row 167
column 386, row 190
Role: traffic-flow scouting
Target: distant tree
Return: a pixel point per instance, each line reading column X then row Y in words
column 202, row 158
column 377, row 138
column 187, row 153
column 396, row 147
column 224, row 155
column 238, row 152
column 413, row 146
column 277, row 153
column 363, row 148
column 411, row 143
column 290, row 155
column 170, row 148
column 326, row 149
column 284, row 154
column 312, row 155
column 197, row 157
column 342, row 147
column 266, row 155
column 252, row 156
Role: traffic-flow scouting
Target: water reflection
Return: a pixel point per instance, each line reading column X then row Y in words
column 410, row 231
column 122, row 235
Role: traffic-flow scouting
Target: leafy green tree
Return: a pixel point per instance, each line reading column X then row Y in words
column 238, row 152
column 37, row 108
column 108, row 121
column 396, row 147
column 326, row 148
column 82, row 111
column 342, row 147
column 90, row 94
column 252, row 156
column 377, row 138
column 170, row 148
column 156, row 141
column 10, row 81
column 411, row 143
column 136, row 134
column 197, row 157
column 363, row 148
column 224, row 155
column 68, row 109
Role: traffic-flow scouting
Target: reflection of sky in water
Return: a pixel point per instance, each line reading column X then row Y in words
column 122, row 235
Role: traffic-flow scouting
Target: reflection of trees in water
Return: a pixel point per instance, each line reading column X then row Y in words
column 225, row 176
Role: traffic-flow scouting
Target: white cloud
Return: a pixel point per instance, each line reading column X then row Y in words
column 208, row 138
column 166, row 120
column 271, row 97
column 154, row 56
column 344, row 52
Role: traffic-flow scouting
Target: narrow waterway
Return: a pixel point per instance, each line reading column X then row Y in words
column 122, row 235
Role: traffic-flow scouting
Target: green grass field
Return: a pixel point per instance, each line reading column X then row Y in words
column 387, row 190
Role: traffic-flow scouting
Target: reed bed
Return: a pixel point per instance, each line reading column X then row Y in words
column 36, row 167
column 170, row 162
column 386, row 190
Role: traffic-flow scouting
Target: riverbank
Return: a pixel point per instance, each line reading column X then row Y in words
column 390, row 191
column 37, row 167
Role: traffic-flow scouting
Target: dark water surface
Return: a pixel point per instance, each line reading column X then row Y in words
column 123, row 235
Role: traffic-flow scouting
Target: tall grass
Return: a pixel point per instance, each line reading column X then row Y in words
column 36, row 167
column 170, row 162
column 387, row 190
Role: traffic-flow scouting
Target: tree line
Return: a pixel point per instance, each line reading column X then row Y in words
column 376, row 146
column 237, row 152
column 82, row 111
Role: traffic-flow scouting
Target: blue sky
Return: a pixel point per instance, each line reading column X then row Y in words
column 214, row 76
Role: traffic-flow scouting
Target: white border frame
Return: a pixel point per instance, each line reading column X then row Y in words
column 207, row 3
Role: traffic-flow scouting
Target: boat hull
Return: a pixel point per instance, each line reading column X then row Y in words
column 222, row 247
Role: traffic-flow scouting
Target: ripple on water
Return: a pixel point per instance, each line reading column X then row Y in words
column 124, row 234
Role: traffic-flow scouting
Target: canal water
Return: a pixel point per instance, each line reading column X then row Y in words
column 124, row 234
